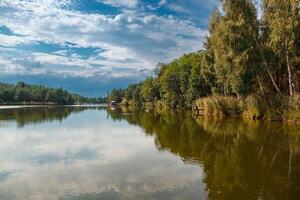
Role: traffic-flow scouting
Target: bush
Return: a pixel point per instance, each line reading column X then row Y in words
column 220, row 105
column 256, row 107
column 276, row 107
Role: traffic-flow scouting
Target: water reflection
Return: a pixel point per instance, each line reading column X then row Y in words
column 241, row 159
column 87, row 156
column 27, row 115
column 132, row 154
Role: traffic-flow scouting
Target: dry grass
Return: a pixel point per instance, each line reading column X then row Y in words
column 276, row 107
column 220, row 105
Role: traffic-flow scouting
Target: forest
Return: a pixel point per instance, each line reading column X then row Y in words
column 245, row 58
column 34, row 94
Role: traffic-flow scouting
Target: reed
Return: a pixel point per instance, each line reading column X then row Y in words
column 275, row 108
column 220, row 105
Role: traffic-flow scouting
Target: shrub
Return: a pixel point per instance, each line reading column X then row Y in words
column 255, row 107
column 276, row 107
column 220, row 105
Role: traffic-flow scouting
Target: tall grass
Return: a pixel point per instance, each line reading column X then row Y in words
column 220, row 105
column 293, row 111
column 276, row 107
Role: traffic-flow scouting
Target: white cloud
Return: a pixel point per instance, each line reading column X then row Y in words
column 8, row 67
column 177, row 8
column 162, row 2
column 49, row 162
column 126, row 41
column 12, row 40
column 121, row 3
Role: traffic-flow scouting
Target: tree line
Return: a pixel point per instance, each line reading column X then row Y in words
column 22, row 92
column 243, row 55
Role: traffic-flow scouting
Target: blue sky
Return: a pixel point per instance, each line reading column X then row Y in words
column 91, row 46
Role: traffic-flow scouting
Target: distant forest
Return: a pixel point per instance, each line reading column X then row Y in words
column 243, row 55
column 35, row 94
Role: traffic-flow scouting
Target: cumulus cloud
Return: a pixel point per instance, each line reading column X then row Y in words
column 124, row 43
column 145, row 38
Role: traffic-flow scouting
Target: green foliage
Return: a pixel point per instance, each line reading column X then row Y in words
column 199, row 84
column 149, row 90
column 281, row 33
column 176, row 84
column 231, row 43
column 221, row 106
column 130, row 95
column 170, row 87
column 243, row 56
column 116, row 95
column 23, row 92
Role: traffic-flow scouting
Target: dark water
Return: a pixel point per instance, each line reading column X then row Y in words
column 68, row 153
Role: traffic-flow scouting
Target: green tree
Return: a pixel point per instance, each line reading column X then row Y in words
column 50, row 96
column 281, row 33
column 116, row 95
column 170, row 83
column 198, row 85
column 232, row 46
column 149, row 90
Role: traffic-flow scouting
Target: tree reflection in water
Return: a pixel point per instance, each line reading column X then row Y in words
column 241, row 159
column 28, row 115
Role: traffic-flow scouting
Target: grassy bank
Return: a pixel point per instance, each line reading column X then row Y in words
column 275, row 108
column 157, row 105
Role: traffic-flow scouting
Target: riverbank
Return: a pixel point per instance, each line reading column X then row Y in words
column 273, row 108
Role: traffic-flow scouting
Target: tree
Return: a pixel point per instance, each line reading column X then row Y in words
column 241, row 56
column 232, row 47
column 149, row 91
column 116, row 95
column 136, row 96
column 281, row 31
column 51, row 96
column 170, row 85
column 198, row 85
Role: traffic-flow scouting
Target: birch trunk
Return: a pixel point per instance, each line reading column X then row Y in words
column 289, row 74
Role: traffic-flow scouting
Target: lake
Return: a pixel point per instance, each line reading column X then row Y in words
column 81, row 153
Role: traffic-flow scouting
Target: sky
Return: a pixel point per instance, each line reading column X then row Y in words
column 91, row 46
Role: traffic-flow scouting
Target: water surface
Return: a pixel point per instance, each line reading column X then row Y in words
column 79, row 153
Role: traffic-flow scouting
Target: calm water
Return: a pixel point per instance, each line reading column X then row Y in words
column 67, row 153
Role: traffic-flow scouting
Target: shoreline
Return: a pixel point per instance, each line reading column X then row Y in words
column 159, row 107
column 252, row 108
column 17, row 106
